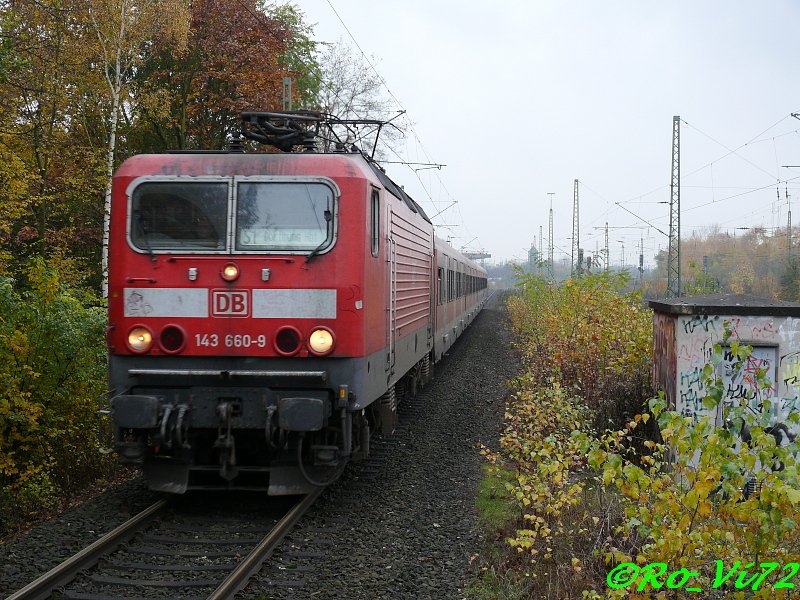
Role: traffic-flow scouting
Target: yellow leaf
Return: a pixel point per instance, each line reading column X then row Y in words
column 704, row 509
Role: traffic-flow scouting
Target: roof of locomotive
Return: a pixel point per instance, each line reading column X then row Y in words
column 204, row 163
column 398, row 191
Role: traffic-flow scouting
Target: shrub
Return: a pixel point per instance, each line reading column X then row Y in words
column 706, row 497
column 590, row 337
column 707, row 503
column 543, row 446
column 52, row 383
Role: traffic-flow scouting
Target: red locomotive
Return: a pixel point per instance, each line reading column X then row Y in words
column 265, row 309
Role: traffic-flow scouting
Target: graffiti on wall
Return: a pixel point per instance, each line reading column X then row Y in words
column 775, row 356
column 705, row 322
column 698, row 335
column 789, row 368
column 741, row 384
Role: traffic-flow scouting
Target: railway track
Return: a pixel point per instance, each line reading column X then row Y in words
column 183, row 548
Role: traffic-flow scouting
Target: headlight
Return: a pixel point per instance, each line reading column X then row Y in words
column 140, row 339
column 320, row 341
column 230, row 272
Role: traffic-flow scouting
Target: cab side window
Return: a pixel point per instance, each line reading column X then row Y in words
column 376, row 221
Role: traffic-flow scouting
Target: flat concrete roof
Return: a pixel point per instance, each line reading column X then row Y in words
column 726, row 304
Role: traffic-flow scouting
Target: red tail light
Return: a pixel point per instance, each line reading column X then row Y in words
column 287, row 341
column 172, row 339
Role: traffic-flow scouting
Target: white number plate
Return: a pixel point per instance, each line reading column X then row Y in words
column 212, row 340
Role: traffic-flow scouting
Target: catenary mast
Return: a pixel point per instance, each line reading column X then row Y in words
column 576, row 247
column 674, row 256
column 550, row 241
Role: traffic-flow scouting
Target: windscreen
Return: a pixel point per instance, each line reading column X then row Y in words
column 292, row 216
column 171, row 215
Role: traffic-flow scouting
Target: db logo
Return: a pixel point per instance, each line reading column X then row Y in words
column 225, row 303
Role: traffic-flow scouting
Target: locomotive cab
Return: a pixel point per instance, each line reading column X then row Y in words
column 231, row 333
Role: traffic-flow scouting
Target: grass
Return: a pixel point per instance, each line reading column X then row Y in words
column 494, row 585
column 495, row 508
column 502, row 573
column 498, row 513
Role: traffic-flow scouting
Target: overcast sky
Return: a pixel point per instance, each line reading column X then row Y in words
column 520, row 98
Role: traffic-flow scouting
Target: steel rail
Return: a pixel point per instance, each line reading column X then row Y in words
column 62, row 574
column 251, row 563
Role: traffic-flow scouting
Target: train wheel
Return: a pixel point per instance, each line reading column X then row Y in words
column 412, row 382
column 361, row 435
column 401, row 390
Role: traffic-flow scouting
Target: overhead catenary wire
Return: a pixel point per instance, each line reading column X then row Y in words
column 706, row 165
column 715, row 188
column 439, row 204
column 750, row 191
column 399, row 104
column 735, row 151
column 320, row 77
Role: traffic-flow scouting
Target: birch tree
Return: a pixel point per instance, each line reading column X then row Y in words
column 121, row 29
column 351, row 89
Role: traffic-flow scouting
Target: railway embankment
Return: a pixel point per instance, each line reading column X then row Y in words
column 401, row 524
column 47, row 544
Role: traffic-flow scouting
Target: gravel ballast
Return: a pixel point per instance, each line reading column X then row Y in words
column 49, row 543
column 402, row 524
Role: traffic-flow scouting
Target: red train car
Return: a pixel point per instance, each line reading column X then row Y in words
column 265, row 309
column 461, row 292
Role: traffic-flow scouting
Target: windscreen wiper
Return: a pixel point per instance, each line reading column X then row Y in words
column 147, row 245
column 324, row 243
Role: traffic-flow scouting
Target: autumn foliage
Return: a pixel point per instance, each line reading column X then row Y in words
column 85, row 84
column 603, row 474
column 157, row 74
column 755, row 261
column 52, row 372
column 586, row 348
column 233, row 61
column 588, row 336
column 705, row 500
